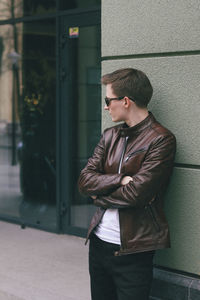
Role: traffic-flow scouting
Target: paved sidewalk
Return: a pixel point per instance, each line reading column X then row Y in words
column 37, row 265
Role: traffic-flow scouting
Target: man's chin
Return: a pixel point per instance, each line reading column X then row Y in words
column 115, row 120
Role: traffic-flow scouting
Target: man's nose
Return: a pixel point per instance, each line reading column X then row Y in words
column 106, row 107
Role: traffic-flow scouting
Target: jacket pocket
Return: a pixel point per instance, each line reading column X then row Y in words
column 151, row 212
column 135, row 152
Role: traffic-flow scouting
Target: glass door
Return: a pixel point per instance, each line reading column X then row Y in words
column 28, row 124
column 81, row 112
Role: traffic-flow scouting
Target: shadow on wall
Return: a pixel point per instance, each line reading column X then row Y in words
column 181, row 206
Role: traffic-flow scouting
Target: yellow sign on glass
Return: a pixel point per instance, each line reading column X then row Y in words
column 73, row 32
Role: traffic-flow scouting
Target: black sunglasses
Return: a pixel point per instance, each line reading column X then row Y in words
column 108, row 100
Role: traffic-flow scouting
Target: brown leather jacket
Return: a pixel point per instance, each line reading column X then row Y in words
column 146, row 153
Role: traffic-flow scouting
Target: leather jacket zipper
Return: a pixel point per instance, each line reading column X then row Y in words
column 119, row 171
column 133, row 153
column 122, row 155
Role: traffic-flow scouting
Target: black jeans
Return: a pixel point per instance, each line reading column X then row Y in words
column 126, row 277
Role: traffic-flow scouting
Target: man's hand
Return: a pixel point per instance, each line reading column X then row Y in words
column 126, row 179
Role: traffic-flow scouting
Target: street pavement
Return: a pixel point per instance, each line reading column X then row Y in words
column 38, row 265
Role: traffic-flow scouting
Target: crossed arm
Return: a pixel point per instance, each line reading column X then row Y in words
column 121, row 191
column 124, row 181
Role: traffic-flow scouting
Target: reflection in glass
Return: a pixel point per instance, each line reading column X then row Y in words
column 64, row 5
column 27, row 122
column 35, row 7
column 10, row 9
column 87, row 116
column 19, row 8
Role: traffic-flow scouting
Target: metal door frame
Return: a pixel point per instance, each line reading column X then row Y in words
column 65, row 115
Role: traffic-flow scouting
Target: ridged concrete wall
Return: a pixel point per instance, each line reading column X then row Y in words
column 151, row 26
column 162, row 39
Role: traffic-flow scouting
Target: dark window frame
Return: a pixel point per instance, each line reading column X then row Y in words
column 77, row 12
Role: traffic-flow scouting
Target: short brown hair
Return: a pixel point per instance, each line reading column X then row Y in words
column 131, row 83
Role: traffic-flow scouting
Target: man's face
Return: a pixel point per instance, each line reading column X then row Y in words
column 115, row 108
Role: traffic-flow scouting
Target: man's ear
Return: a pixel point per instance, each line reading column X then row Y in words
column 126, row 101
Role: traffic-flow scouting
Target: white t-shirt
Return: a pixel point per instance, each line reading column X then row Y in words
column 108, row 229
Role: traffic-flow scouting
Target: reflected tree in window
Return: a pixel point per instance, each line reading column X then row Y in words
column 38, row 112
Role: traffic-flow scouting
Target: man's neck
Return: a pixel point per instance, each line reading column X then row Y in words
column 137, row 116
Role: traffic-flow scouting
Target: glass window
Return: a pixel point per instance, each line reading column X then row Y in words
column 19, row 8
column 64, row 5
column 86, row 59
column 35, row 7
column 27, row 122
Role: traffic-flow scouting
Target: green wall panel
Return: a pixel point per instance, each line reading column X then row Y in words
column 134, row 27
column 182, row 205
column 175, row 102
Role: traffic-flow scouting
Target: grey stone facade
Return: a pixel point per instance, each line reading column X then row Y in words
column 162, row 39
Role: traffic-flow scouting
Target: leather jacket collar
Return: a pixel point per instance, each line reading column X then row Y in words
column 130, row 131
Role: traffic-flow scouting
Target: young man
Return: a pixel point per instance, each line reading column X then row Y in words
column 127, row 177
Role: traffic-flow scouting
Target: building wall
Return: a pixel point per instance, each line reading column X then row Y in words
column 162, row 39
